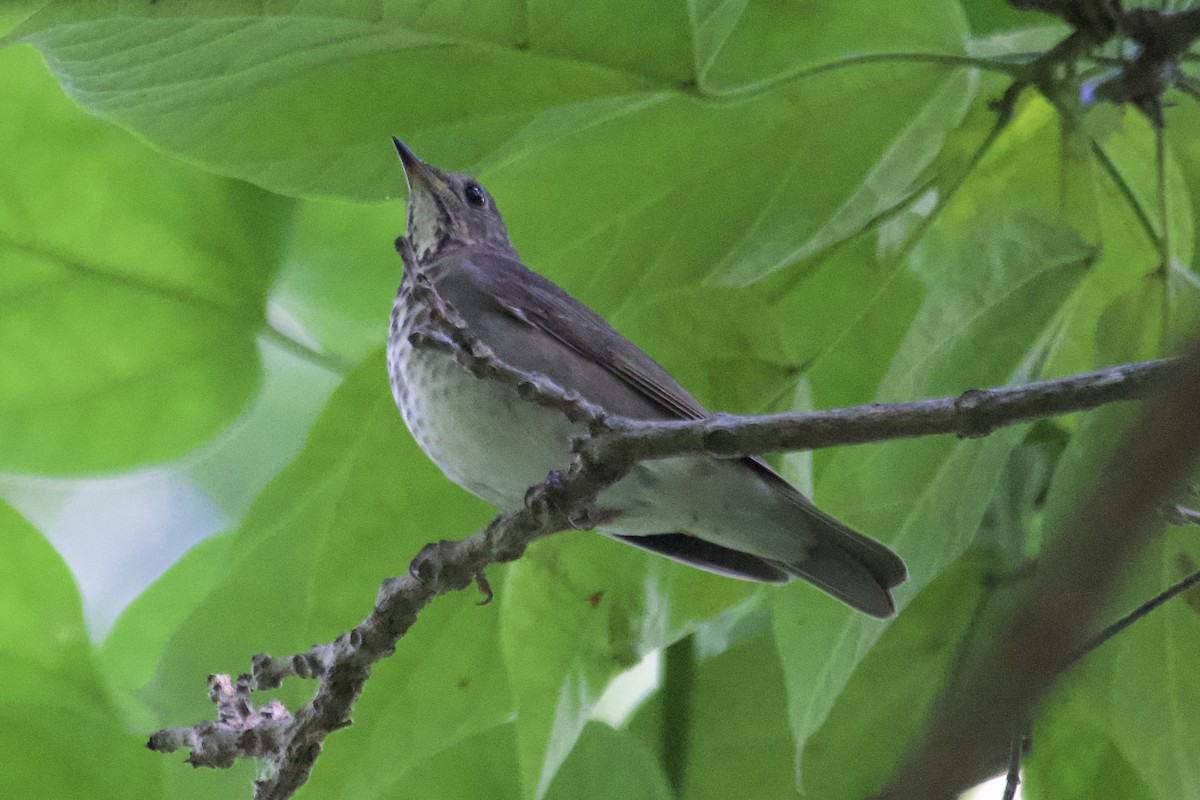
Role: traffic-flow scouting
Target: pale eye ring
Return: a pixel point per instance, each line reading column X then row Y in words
column 473, row 192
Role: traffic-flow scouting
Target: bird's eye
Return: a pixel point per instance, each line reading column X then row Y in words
column 474, row 194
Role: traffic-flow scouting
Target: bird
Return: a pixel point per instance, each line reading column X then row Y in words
column 733, row 517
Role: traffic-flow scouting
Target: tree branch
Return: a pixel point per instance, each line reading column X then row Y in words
column 976, row 412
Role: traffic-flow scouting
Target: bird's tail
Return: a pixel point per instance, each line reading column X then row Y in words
column 858, row 571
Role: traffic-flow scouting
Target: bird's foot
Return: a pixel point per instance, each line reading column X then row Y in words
column 485, row 588
column 591, row 517
column 541, row 493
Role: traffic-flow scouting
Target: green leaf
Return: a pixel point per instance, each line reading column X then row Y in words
column 342, row 74
column 132, row 288
column 483, row 765
column 739, row 743
column 579, row 610
column 704, row 335
column 41, row 631
column 606, row 764
column 130, row 653
column 1072, row 758
column 339, row 272
column 773, row 239
column 742, row 45
column 1154, row 692
column 986, row 17
column 1128, row 280
column 609, row 764
column 54, row 716
column 1183, row 120
column 567, row 114
column 1128, row 141
column 17, row 11
column 1140, row 691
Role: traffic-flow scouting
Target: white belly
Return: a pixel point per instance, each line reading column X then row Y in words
column 484, row 437
column 496, row 446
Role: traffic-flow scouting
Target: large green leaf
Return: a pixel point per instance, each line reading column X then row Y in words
column 340, row 272
column 132, row 288
column 57, row 727
column 1154, row 694
column 132, row 649
column 606, row 764
column 773, row 239
column 483, row 765
column 16, row 11
column 155, row 66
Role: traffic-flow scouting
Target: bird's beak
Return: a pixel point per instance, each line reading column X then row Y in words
column 417, row 173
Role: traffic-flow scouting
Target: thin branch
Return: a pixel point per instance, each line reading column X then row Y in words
column 241, row 731
column 1076, row 575
column 1016, row 751
column 976, row 412
column 1137, row 614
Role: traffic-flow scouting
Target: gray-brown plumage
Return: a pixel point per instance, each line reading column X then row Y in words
column 734, row 517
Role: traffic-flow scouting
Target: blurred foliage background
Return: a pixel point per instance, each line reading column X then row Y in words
column 791, row 205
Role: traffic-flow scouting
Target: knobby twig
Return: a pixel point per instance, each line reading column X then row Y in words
column 241, row 731
column 289, row 746
column 1077, row 573
column 974, row 413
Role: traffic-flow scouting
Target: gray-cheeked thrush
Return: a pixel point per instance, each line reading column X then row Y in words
column 735, row 517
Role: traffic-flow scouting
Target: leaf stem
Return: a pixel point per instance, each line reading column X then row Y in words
column 1126, row 191
column 331, row 363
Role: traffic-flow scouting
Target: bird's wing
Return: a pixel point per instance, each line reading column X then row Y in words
column 528, row 297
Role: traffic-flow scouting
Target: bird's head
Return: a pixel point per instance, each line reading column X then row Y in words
column 447, row 209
